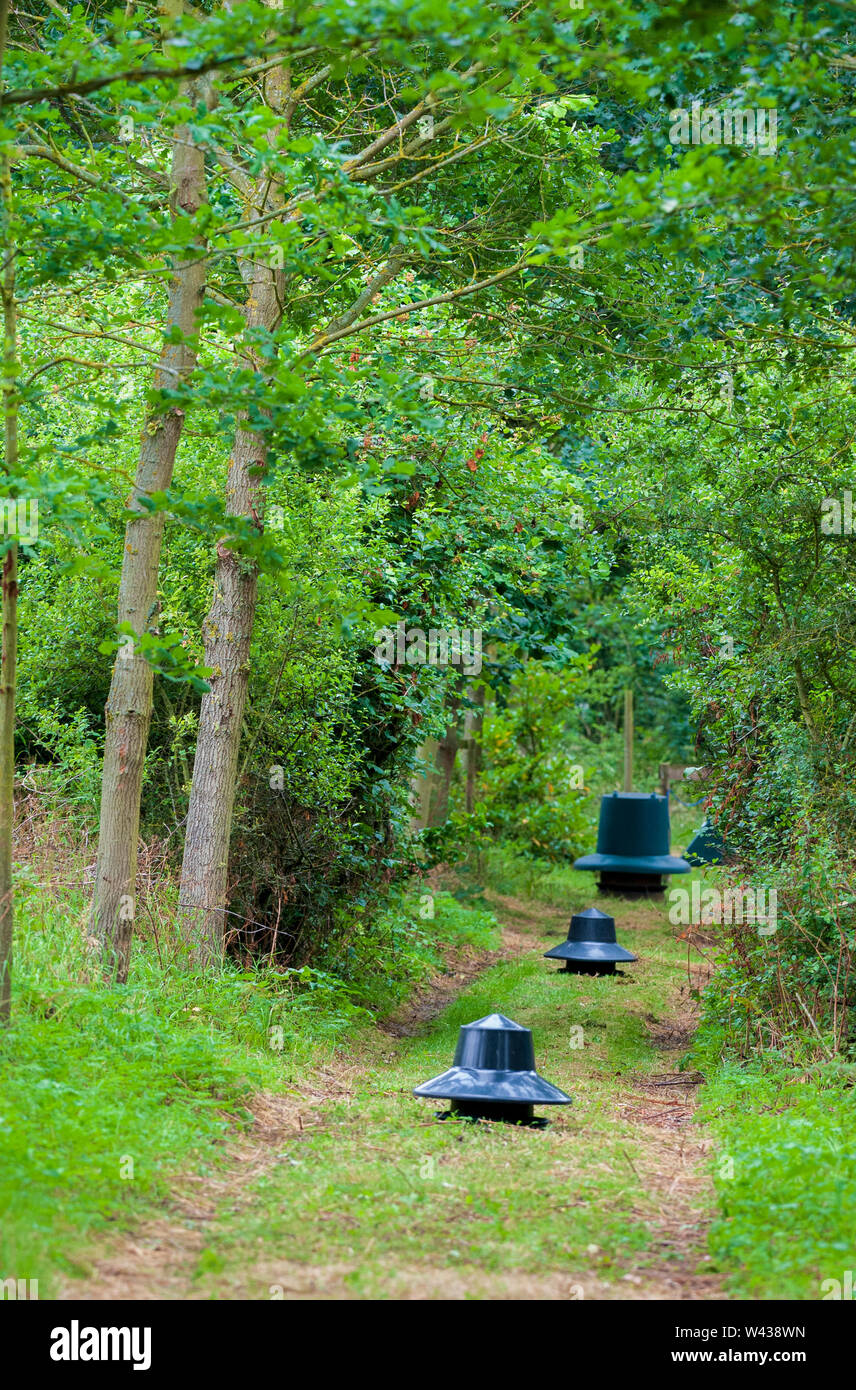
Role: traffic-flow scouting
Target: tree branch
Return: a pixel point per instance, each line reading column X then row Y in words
column 327, row 338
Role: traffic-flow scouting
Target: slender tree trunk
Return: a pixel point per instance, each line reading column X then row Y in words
column 229, row 626
column 129, row 704
column 421, row 785
column 447, row 752
column 805, row 700
column 628, row 740
column 473, row 731
column 8, row 661
column 228, row 632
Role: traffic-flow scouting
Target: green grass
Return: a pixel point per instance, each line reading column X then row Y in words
column 384, row 958
column 559, row 886
column 161, row 1070
column 157, row 1073
column 785, row 1172
column 381, row 1187
column 106, row 1093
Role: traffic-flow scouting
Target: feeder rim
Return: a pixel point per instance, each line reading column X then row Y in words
column 641, row 864
column 589, row 950
column 473, row 1083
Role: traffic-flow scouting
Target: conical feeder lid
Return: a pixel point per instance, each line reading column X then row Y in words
column 494, row 1061
column 707, row 847
column 633, row 836
column 591, row 936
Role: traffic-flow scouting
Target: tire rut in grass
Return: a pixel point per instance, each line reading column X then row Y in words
column 671, row 1157
column 674, row 1150
column 462, row 968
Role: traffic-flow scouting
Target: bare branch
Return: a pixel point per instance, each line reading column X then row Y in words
column 395, row 131
column 386, row 273
column 28, row 95
column 327, row 338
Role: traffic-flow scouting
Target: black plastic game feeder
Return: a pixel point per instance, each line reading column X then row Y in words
column 591, row 947
column 707, row 847
column 633, row 841
column 493, row 1075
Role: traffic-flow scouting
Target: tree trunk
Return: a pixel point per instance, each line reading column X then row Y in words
column 129, row 704
column 229, row 626
column 473, row 733
column 228, row 632
column 805, row 700
column 421, row 785
column 447, row 752
column 628, row 740
column 8, row 661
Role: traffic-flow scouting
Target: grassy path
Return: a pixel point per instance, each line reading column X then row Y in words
column 347, row 1187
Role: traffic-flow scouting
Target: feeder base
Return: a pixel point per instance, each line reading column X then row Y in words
column 590, row 967
column 619, row 885
column 508, row 1112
